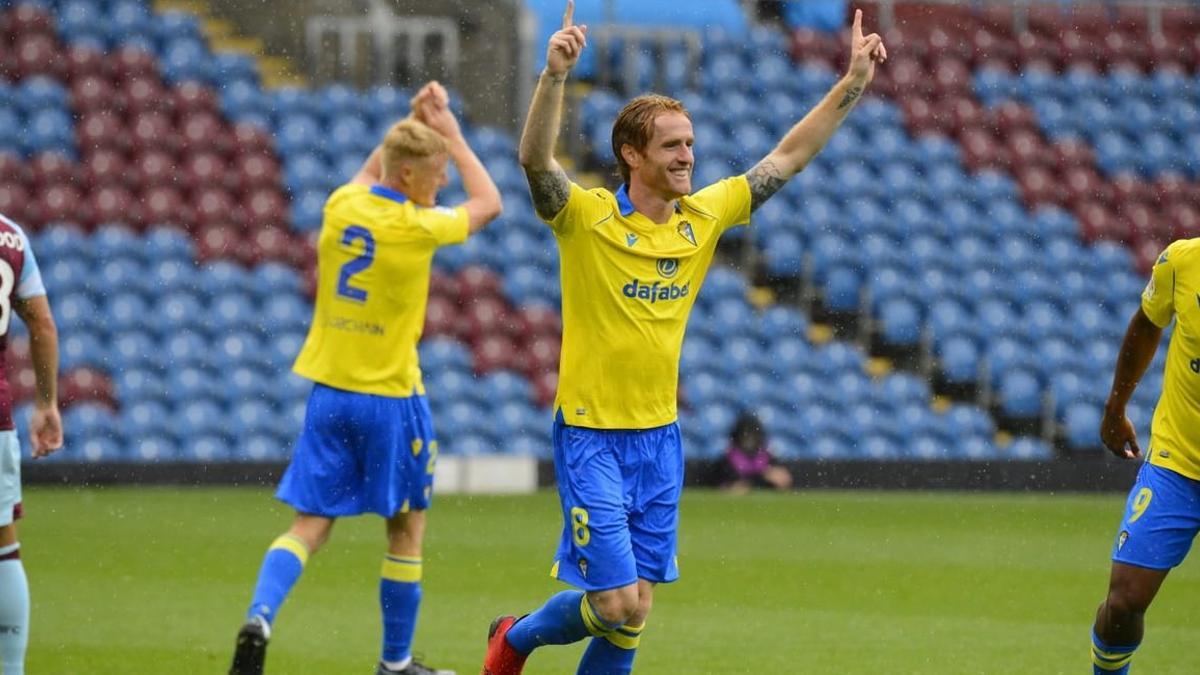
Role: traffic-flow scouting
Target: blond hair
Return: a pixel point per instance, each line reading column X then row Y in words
column 635, row 125
column 409, row 139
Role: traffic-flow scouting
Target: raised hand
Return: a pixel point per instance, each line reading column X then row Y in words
column 431, row 106
column 865, row 51
column 566, row 44
column 1117, row 434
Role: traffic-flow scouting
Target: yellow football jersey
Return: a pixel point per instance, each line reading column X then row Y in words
column 373, row 259
column 628, row 286
column 1174, row 291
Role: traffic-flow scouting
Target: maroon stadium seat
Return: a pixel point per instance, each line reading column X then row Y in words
column 87, row 384
column 53, row 168
column 217, row 241
column 152, row 132
column 1098, row 222
column 193, row 97
column 1085, row 185
column 483, row 316
column 951, row 77
column 165, row 204
column 539, row 320
column 267, row 244
column 38, row 54
column 130, row 62
column 113, row 203
column 61, row 202
column 1070, row 153
column 250, row 139
column 15, row 201
column 495, row 352
column 27, row 19
column 146, row 94
column 444, row 285
column 1184, row 218
column 441, row 317
column 1011, row 116
column 13, row 170
column 84, row 61
column 478, row 281
column 214, row 206
column 101, row 130
column 1128, row 187
column 105, row 166
column 203, row 131
column 153, row 168
column 1028, row 148
column 94, row 93
column 254, row 171
column 545, row 388
column 205, row 168
column 540, row 355
column 1040, row 186
column 265, row 207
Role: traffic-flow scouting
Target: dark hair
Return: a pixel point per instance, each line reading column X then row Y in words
column 747, row 423
column 635, row 125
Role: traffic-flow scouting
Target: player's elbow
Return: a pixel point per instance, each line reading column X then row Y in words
column 484, row 210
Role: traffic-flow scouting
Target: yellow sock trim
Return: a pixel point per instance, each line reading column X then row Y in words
column 626, row 637
column 591, row 620
column 401, row 568
column 293, row 544
column 1110, row 660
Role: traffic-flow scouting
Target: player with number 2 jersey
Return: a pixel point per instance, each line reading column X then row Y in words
column 368, row 444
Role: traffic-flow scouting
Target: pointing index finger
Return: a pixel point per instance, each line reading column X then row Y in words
column 856, row 30
column 569, row 15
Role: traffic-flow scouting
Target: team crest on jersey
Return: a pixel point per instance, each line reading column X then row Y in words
column 1149, row 292
column 630, row 239
column 1162, row 258
column 685, row 230
column 583, row 567
column 668, row 267
column 1122, row 539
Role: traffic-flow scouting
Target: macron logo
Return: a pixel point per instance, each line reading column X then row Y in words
column 656, row 291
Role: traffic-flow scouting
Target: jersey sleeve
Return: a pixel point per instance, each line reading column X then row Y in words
column 582, row 207
column 447, row 225
column 1158, row 300
column 30, row 284
column 728, row 200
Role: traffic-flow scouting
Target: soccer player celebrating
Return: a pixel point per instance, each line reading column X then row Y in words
column 21, row 290
column 368, row 443
column 1162, row 515
column 632, row 264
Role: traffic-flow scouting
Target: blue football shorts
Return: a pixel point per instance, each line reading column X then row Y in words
column 619, row 491
column 1162, row 516
column 361, row 453
column 10, row 477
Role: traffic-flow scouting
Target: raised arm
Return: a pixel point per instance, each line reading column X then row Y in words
column 804, row 140
column 1137, row 351
column 45, row 427
column 483, row 197
column 548, row 183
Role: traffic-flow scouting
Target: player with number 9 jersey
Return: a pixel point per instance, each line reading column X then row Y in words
column 368, row 445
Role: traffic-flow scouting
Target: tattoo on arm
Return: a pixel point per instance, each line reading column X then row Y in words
column 765, row 180
column 851, row 96
column 550, row 190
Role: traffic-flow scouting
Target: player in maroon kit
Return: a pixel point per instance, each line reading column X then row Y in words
column 21, row 290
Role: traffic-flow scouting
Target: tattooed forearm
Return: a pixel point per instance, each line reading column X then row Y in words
column 765, row 180
column 851, row 96
column 550, row 189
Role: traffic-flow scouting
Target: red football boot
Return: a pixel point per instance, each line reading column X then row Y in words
column 501, row 658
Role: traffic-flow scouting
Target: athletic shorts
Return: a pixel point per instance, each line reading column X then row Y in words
column 361, row 453
column 1161, row 519
column 619, row 491
column 10, row 477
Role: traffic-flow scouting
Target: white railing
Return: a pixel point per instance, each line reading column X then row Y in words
column 381, row 47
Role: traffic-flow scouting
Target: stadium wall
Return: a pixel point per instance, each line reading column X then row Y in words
column 495, row 475
column 490, row 43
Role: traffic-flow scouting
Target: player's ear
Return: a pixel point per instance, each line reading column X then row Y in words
column 631, row 156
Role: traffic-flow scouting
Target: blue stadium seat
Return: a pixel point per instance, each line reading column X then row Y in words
column 135, row 384
column 1020, row 394
column 1030, row 449
column 263, row 448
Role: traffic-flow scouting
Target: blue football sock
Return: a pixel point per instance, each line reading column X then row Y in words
column 612, row 654
column 565, row 618
column 399, row 599
column 281, row 569
column 1109, row 659
column 14, row 611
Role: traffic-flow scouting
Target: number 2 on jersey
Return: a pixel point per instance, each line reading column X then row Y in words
column 356, row 264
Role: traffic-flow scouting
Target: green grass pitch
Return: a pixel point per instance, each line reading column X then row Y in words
column 155, row 580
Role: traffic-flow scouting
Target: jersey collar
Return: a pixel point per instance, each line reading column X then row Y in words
column 388, row 193
column 626, row 206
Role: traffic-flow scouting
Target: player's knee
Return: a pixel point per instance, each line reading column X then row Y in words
column 617, row 606
column 645, row 602
column 1124, row 603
